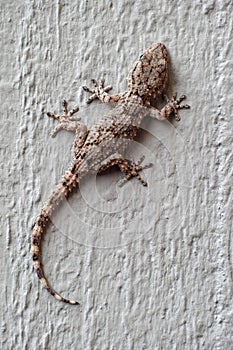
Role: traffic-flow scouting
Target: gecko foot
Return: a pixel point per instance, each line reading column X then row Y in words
column 98, row 90
column 132, row 169
column 173, row 106
column 66, row 121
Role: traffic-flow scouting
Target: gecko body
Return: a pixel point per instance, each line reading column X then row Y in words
column 103, row 145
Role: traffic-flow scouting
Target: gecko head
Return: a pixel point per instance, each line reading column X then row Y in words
column 148, row 76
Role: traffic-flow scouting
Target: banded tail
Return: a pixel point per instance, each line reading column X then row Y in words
column 65, row 186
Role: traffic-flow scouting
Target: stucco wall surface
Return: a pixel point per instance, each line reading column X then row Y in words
column 152, row 267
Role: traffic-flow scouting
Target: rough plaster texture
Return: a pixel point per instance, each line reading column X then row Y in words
column 151, row 267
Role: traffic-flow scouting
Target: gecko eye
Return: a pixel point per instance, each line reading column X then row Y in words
column 141, row 56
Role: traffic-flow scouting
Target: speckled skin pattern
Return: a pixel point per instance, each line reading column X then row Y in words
column 103, row 146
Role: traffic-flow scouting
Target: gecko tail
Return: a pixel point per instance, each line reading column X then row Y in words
column 62, row 190
column 35, row 250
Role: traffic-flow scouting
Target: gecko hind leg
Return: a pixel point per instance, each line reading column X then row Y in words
column 129, row 168
column 66, row 121
column 133, row 171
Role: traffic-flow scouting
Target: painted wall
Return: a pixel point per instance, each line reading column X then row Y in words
column 151, row 267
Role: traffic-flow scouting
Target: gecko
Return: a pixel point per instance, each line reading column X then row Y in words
column 103, row 145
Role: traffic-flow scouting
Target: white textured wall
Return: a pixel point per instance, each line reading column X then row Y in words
column 151, row 267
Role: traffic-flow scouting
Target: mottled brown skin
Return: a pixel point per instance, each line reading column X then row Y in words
column 103, row 146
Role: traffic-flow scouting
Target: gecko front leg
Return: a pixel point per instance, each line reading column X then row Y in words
column 101, row 92
column 169, row 110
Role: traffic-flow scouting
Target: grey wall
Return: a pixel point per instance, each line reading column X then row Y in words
column 152, row 268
